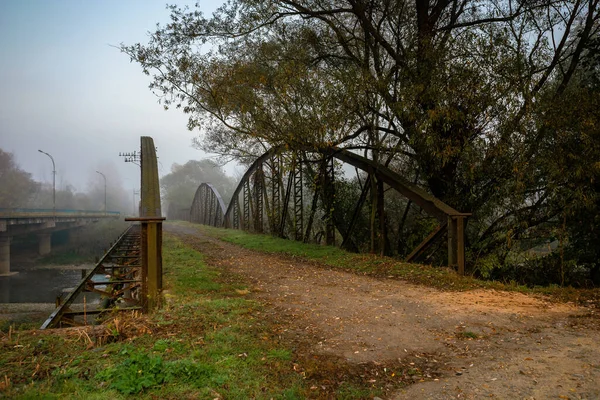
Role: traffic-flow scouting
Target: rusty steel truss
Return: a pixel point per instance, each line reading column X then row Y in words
column 208, row 207
column 279, row 184
column 129, row 275
column 117, row 278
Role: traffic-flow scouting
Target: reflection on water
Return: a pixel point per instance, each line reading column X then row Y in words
column 40, row 285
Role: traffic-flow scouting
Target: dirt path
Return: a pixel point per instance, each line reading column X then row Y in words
column 476, row 344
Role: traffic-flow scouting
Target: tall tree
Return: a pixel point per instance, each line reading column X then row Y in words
column 458, row 88
column 18, row 188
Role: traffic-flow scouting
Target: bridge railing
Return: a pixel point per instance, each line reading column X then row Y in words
column 40, row 212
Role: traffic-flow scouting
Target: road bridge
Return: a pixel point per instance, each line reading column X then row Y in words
column 42, row 222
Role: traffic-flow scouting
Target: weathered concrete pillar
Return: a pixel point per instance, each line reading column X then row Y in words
column 152, row 261
column 4, row 255
column 151, row 221
column 45, row 243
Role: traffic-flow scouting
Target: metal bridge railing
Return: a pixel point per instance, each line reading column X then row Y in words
column 122, row 290
column 37, row 212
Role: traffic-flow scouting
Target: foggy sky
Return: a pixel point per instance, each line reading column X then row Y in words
column 66, row 91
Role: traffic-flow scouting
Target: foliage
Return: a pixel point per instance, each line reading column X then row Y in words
column 141, row 371
column 180, row 185
column 470, row 94
column 18, row 188
column 21, row 191
column 468, row 335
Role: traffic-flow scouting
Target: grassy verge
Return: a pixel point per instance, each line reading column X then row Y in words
column 368, row 264
column 208, row 341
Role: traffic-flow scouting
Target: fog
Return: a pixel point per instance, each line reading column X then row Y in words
column 65, row 89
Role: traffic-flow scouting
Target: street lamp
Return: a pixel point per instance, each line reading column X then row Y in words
column 53, row 182
column 105, row 209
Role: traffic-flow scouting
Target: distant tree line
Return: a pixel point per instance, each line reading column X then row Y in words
column 491, row 105
column 179, row 187
column 19, row 190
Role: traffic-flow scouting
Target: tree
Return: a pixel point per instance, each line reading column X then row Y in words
column 459, row 88
column 574, row 172
column 18, row 188
column 180, row 185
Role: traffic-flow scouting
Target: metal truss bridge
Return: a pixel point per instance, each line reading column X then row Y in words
column 288, row 193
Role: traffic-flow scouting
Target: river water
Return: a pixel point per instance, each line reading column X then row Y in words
column 37, row 285
column 31, row 293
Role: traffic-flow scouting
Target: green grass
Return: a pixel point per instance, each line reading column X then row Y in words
column 438, row 277
column 209, row 340
column 206, row 342
column 468, row 335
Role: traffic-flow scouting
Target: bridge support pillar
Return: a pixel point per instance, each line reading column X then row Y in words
column 152, row 261
column 5, row 256
column 45, row 245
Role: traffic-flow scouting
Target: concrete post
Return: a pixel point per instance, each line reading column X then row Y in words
column 4, row 255
column 152, row 261
column 45, row 243
column 151, row 221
